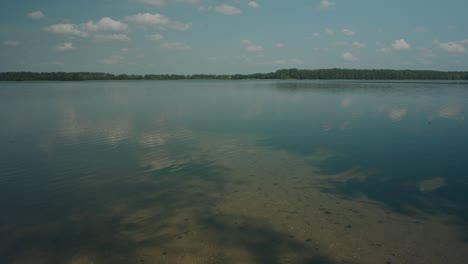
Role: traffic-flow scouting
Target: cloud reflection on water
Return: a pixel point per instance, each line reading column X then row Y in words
column 452, row 111
column 168, row 162
column 398, row 113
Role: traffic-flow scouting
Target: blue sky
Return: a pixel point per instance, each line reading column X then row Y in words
column 231, row 36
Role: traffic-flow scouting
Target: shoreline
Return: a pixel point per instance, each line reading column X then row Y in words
column 284, row 74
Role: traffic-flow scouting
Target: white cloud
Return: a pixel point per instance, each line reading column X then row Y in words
column 193, row 2
column 254, row 48
column 223, row 9
column 452, row 47
column 400, row 44
column 106, row 24
column 124, row 50
column 67, row 30
column 155, row 37
column 348, row 56
column 358, row 44
column 36, row 15
column 355, row 44
column 67, row 46
column 326, row 4
column 316, row 34
column 119, row 37
column 176, row 46
column 253, row 4
column 164, row 2
column 227, row 10
column 250, row 46
column 10, row 43
column 153, row 2
column 114, row 59
column 279, row 45
column 348, row 32
column 158, row 20
column 286, row 62
column 329, row 31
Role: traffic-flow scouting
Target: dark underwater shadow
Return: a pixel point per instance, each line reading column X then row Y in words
column 393, row 179
column 108, row 219
column 261, row 241
column 100, row 214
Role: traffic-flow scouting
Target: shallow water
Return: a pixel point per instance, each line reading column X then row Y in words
column 233, row 172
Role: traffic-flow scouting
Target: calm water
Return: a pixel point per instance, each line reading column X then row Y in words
column 233, row 172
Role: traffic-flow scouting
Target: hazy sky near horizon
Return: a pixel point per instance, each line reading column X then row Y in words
column 231, row 36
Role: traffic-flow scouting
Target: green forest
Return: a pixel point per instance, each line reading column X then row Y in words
column 284, row 74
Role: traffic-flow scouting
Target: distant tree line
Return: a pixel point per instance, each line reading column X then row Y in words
column 297, row 74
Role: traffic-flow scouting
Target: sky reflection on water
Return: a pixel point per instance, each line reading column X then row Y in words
column 162, row 171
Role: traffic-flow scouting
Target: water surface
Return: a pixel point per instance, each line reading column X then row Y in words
column 233, row 172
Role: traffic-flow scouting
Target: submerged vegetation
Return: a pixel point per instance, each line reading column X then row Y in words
column 298, row 74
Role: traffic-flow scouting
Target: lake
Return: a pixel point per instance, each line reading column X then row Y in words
column 233, row 172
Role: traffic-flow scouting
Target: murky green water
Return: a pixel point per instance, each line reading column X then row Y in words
column 233, row 172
